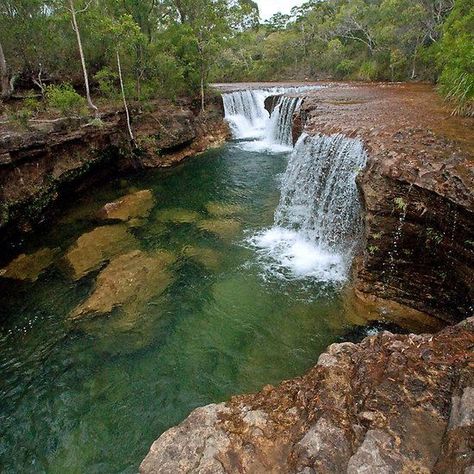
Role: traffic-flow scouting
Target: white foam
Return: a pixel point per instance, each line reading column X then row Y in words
column 285, row 253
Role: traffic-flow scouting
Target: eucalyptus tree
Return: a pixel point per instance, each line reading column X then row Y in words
column 5, row 88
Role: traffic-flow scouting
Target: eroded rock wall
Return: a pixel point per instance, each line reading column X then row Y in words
column 51, row 159
column 417, row 192
column 393, row 403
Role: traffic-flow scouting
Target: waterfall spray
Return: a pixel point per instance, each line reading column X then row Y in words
column 318, row 220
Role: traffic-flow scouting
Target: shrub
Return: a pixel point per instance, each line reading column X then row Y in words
column 367, row 71
column 66, row 100
column 107, row 82
column 20, row 116
column 456, row 58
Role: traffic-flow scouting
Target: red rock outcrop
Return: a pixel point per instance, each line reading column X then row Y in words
column 417, row 192
column 392, row 403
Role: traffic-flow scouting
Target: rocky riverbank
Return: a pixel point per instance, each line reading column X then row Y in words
column 390, row 404
column 51, row 159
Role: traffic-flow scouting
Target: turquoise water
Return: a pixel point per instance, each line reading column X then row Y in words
column 91, row 396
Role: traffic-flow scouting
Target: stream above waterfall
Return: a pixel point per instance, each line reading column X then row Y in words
column 232, row 314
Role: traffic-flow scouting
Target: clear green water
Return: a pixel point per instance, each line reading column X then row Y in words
column 92, row 397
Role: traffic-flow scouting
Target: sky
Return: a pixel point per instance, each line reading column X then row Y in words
column 269, row 7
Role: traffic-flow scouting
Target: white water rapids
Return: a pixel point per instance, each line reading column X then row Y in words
column 317, row 223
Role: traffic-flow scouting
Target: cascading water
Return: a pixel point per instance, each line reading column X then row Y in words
column 249, row 120
column 281, row 120
column 245, row 112
column 317, row 222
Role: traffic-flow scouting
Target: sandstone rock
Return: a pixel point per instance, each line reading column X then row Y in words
column 128, row 282
column 208, row 258
column 29, row 267
column 191, row 446
column 226, row 229
column 373, row 407
column 220, row 209
column 93, row 248
column 132, row 206
column 178, row 216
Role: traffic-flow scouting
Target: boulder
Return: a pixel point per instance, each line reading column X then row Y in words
column 208, row 258
column 392, row 403
column 93, row 248
column 128, row 282
column 225, row 229
column 177, row 216
column 220, row 209
column 133, row 206
column 29, row 266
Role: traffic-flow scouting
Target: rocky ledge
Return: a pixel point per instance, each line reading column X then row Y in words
column 417, row 192
column 52, row 158
column 390, row 404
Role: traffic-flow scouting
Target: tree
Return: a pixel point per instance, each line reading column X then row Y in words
column 81, row 53
column 5, row 89
column 455, row 55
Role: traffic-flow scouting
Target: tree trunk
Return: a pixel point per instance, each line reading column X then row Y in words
column 203, row 78
column 124, row 99
column 5, row 87
column 203, row 103
column 83, row 61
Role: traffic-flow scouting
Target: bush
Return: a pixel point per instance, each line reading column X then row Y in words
column 367, row 71
column 66, row 100
column 20, row 116
column 107, row 82
column 23, row 115
column 456, row 58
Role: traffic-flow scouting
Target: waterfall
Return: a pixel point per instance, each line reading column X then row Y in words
column 281, row 120
column 317, row 222
column 249, row 120
column 245, row 112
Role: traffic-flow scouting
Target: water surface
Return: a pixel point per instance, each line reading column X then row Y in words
column 92, row 396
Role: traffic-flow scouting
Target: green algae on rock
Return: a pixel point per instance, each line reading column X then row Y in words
column 220, row 209
column 225, row 229
column 209, row 258
column 128, row 281
column 93, row 248
column 29, row 266
column 178, row 216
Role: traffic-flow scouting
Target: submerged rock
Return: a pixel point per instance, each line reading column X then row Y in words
column 208, row 258
column 128, row 282
column 178, row 216
column 93, row 248
column 129, row 208
column 226, row 229
column 29, row 267
column 220, row 209
column 392, row 403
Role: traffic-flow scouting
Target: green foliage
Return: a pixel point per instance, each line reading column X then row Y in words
column 20, row 116
column 168, row 48
column 107, row 81
column 400, row 203
column 65, row 99
column 456, row 58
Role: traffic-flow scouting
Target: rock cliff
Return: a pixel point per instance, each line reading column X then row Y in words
column 417, row 192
